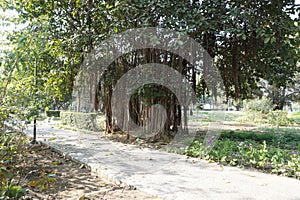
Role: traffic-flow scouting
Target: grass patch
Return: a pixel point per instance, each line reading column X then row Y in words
column 283, row 140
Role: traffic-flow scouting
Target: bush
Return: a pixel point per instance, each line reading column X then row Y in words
column 261, row 111
column 12, row 154
column 53, row 113
column 257, row 110
column 263, row 105
column 85, row 121
column 279, row 118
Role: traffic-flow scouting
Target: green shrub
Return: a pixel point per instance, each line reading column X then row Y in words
column 85, row 121
column 255, row 117
column 279, row 118
column 53, row 113
column 263, row 105
column 261, row 111
column 256, row 110
column 12, row 146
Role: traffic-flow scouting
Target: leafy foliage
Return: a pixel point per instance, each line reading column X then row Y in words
column 52, row 113
column 279, row 118
column 60, row 34
column 11, row 152
column 296, row 117
column 263, row 105
column 270, row 152
column 44, row 182
column 261, row 111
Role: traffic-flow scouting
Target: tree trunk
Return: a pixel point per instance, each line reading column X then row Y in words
column 107, row 104
column 235, row 69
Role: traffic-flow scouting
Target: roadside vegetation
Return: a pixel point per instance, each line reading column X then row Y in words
column 273, row 148
column 11, row 161
column 273, row 151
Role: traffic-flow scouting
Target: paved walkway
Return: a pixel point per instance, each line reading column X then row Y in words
column 169, row 176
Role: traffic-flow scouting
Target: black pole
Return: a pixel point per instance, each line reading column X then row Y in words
column 35, row 90
column 34, row 130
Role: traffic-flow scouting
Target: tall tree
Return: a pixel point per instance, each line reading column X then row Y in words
column 248, row 40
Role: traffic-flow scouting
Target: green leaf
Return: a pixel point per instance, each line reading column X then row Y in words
column 266, row 40
column 17, row 191
column 34, row 183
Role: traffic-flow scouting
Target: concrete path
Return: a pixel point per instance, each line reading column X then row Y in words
column 167, row 175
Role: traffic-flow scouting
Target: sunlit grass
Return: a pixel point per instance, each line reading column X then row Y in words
column 295, row 116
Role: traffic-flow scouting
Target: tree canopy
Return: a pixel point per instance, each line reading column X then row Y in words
column 248, row 40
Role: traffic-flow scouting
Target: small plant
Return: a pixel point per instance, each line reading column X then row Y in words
column 45, row 182
column 196, row 149
column 294, row 165
column 278, row 162
column 11, row 153
column 14, row 192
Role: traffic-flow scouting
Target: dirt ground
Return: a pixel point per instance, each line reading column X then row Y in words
column 71, row 180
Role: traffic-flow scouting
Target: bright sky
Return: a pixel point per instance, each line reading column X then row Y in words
column 5, row 26
column 298, row 3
